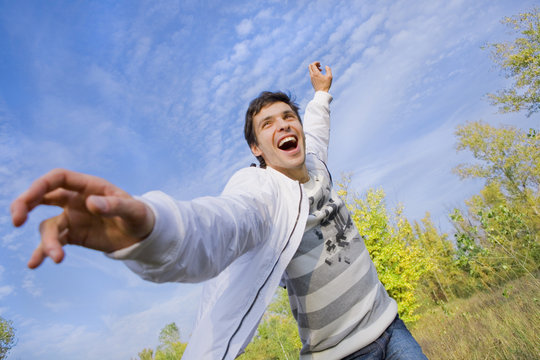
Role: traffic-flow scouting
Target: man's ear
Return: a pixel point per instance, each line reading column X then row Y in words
column 255, row 150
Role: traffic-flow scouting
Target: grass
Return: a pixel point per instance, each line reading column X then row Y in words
column 501, row 324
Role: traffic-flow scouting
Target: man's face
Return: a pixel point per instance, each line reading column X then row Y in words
column 280, row 140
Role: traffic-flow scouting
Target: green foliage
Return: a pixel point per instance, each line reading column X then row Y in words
column 393, row 247
column 443, row 280
column 506, row 155
column 520, row 60
column 169, row 334
column 497, row 238
column 7, row 337
column 170, row 347
column 277, row 334
column 146, row 354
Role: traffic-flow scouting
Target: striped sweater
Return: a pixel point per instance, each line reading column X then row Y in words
column 336, row 297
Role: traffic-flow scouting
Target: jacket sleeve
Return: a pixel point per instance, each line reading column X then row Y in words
column 193, row 241
column 317, row 125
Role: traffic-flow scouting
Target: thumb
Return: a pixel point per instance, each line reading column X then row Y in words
column 136, row 214
column 109, row 206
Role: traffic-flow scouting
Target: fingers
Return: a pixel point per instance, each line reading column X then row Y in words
column 53, row 237
column 19, row 212
column 110, row 206
column 34, row 195
column 315, row 68
column 320, row 81
column 328, row 71
column 58, row 197
column 44, row 191
column 37, row 257
column 138, row 218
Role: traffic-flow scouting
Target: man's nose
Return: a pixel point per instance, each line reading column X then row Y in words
column 283, row 124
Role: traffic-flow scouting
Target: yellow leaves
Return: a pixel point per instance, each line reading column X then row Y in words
column 498, row 239
column 170, row 347
column 393, row 247
column 506, row 154
column 519, row 59
column 277, row 335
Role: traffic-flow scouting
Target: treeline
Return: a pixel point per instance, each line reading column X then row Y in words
column 495, row 234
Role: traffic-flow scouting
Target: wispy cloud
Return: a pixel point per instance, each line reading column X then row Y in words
column 122, row 337
column 58, row 306
column 29, row 284
column 245, row 27
column 6, row 290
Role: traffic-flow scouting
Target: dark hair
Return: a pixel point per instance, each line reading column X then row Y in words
column 255, row 106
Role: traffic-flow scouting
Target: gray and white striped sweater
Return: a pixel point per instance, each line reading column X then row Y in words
column 336, row 297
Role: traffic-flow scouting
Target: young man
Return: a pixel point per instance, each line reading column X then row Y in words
column 281, row 222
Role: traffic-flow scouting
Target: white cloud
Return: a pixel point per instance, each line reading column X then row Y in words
column 264, row 14
column 58, row 306
column 29, row 284
column 363, row 33
column 9, row 240
column 119, row 337
column 245, row 27
column 241, row 52
column 6, row 290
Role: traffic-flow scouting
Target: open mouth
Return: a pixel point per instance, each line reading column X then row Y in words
column 288, row 143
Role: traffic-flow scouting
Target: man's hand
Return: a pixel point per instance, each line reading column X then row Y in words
column 97, row 214
column 319, row 81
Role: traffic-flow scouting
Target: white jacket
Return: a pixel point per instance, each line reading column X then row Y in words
column 242, row 240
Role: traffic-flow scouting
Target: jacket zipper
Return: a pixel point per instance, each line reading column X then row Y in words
column 268, row 277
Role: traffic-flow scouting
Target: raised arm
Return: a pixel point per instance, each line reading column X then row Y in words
column 97, row 214
column 317, row 115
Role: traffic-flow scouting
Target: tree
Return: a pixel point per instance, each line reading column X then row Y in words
column 170, row 347
column 443, row 280
column 498, row 237
column 392, row 245
column 507, row 156
column 7, row 337
column 520, row 60
column 146, row 354
column 277, row 335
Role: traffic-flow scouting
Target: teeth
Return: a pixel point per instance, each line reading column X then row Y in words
column 288, row 138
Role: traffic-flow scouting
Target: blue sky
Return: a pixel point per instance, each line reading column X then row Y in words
column 152, row 94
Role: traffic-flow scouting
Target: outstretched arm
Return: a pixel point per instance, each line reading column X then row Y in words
column 97, row 214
